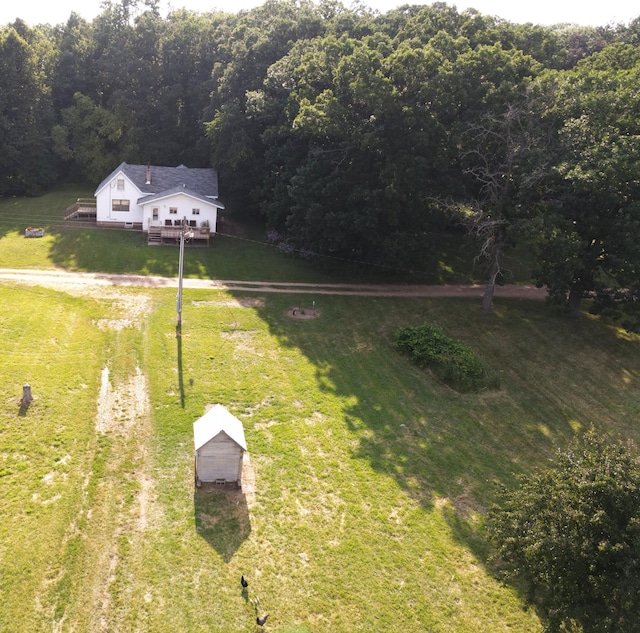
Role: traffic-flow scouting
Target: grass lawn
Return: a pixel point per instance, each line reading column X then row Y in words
column 234, row 254
column 362, row 510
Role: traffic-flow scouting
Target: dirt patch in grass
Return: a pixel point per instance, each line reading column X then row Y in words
column 131, row 308
column 123, row 414
column 248, row 480
column 122, row 408
column 240, row 302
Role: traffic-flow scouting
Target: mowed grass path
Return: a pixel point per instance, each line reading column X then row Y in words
column 371, row 479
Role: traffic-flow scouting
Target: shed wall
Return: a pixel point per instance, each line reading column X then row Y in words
column 220, row 458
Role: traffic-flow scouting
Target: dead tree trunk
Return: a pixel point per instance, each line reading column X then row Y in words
column 497, row 147
column 573, row 302
column 492, row 251
column 583, row 281
column 490, row 286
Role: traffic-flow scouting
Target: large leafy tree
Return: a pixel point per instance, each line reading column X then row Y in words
column 188, row 52
column 589, row 235
column 351, row 161
column 26, row 161
column 236, row 120
column 571, row 532
column 90, row 138
column 73, row 71
column 339, row 103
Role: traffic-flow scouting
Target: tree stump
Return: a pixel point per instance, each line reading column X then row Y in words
column 27, row 398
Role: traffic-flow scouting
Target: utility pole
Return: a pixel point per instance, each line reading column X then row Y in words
column 183, row 235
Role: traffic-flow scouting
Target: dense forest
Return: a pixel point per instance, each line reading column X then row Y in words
column 354, row 133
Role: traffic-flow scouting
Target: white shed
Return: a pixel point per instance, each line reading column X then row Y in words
column 219, row 446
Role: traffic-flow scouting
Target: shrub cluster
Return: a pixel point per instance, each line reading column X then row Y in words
column 450, row 360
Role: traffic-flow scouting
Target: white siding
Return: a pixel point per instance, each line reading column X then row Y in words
column 184, row 205
column 220, row 458
column 110, row 192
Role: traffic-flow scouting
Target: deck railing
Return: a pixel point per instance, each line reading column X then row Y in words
column 81, row 208
column 176, row 231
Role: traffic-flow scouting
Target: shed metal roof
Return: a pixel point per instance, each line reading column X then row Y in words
column 215, row 421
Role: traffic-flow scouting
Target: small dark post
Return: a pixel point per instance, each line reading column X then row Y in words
column 27, row 398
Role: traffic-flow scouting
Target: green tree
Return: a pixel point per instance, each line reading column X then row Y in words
column 348, row 163
column 589, row 234
column 571, row 532
column 26, row 161
column 90, row 137
column 73, row 71
column 253, row 41
column 484, row 97
column 188, row 52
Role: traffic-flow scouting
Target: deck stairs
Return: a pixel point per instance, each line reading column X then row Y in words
column 154, row 236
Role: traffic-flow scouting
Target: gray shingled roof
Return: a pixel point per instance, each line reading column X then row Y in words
column 199, row 179
column 180, row 189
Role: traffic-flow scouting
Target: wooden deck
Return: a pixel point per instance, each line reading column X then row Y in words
column 85, row 209
column 170, row 235
column 81, row 209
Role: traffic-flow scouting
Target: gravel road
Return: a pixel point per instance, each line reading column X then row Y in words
column 62, row 279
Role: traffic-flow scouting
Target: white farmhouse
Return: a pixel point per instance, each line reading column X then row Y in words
column 160, row 201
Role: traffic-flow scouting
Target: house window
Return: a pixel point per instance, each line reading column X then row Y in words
column 120, row 184
column 195, row 211
column 173, row 210
column 155, row 213
column 119, row 205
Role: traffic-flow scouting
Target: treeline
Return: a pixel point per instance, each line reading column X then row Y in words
column 353, row 133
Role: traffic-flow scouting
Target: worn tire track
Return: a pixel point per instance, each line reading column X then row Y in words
column 64, row 279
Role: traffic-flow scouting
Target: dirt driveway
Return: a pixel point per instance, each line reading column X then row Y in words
column 68, row 280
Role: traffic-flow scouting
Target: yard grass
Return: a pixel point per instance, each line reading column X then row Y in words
column 371, row 478
column 46, row 448
column 71, row 246
column 239, row 251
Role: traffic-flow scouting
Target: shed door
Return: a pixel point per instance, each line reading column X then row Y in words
column 219, row 459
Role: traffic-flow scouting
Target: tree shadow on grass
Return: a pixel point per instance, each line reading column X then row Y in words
column 449, row 449
column 222, row 517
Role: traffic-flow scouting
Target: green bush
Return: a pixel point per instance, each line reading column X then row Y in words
column 571, row 533
column 450, row 360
